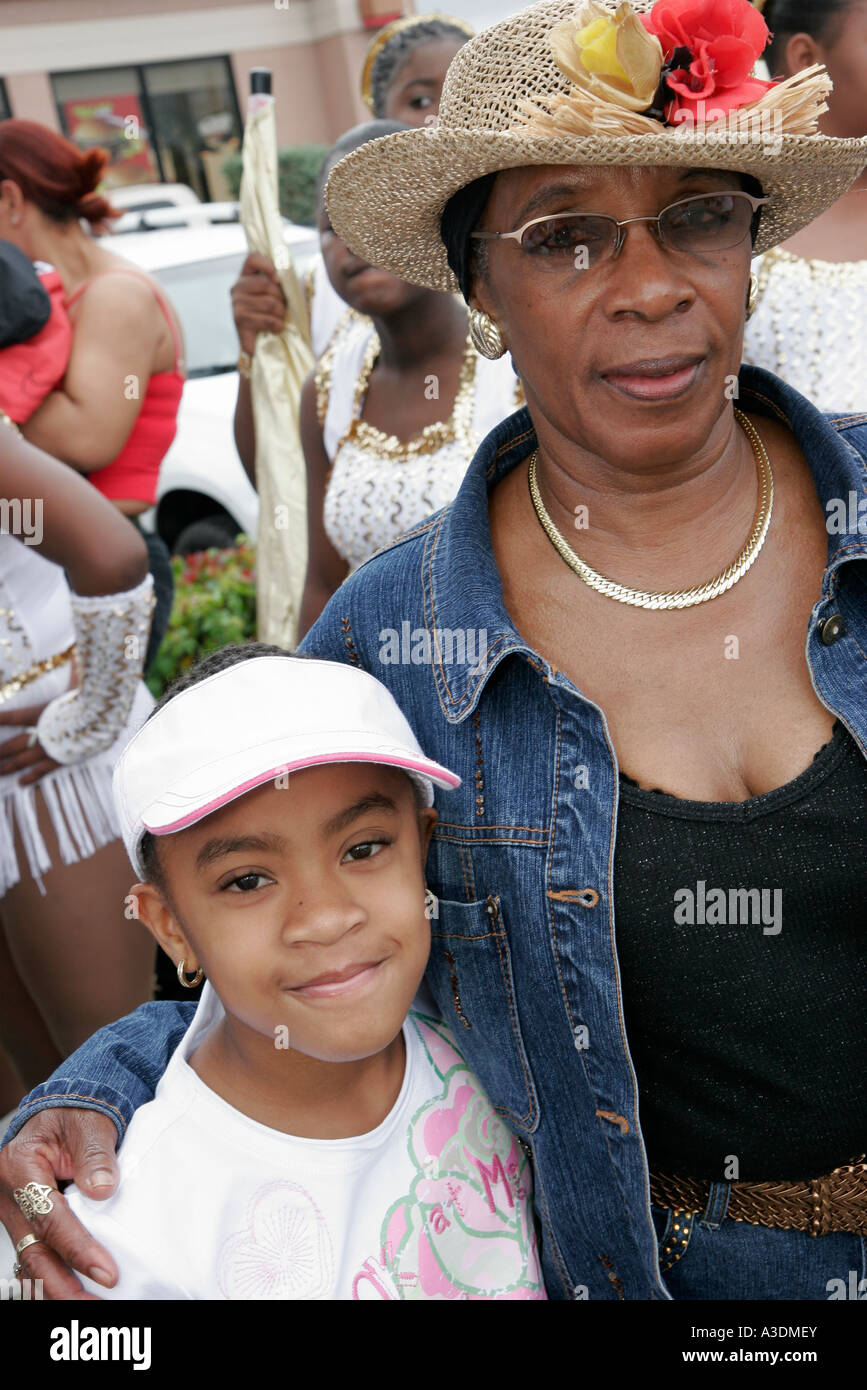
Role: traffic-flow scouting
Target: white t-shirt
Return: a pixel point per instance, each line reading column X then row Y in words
column 436, row 1202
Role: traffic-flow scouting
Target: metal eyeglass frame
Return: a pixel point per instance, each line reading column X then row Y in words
column 518, row 234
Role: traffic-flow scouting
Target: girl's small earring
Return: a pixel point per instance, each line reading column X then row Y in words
column 14, row 218
column 753, row 299
column 182, row 976
column 431, row 904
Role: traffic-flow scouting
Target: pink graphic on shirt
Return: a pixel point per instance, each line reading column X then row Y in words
column 284, row 1250
column 465, row 1229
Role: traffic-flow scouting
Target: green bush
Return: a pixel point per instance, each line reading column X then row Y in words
column 297, row 168
column 215, row 604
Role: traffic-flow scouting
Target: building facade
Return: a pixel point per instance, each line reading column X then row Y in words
column 163, row 85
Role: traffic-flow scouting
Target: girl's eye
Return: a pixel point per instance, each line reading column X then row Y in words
column 247, row 883
column 419, row 103
column 366, row 850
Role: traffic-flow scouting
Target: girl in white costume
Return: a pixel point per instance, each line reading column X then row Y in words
column 71, row 652
column 807, row 324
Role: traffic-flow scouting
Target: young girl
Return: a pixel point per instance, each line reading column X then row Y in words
column 314, row 1136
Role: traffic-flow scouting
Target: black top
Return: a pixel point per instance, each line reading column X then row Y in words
column 745, row 1011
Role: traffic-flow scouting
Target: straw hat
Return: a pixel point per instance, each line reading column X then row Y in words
column 507, row 102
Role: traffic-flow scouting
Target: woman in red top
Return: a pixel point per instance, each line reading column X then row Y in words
column 115, row 414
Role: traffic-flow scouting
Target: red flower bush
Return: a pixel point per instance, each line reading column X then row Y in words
column 709, row 48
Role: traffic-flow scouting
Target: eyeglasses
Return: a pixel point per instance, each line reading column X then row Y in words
column 706, row 223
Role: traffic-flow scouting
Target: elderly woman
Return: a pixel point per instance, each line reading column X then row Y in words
column 635, row 562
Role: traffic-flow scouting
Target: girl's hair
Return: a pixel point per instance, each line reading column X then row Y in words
column 821, row 19
column 351, row 140
column 54, row 173
column 394, row 54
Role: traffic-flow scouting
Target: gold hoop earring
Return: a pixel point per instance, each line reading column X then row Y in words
column 182, row 976
column 486, row 336
column 753, row 297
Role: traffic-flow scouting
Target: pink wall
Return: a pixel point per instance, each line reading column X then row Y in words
column 316, row 86
column 30, row 96
column 61, row 11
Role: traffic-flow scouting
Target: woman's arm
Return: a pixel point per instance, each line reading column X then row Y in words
column 326, row 569
column 115, row 337
column 64, row 514
column 61, row 1137
column 68, row 513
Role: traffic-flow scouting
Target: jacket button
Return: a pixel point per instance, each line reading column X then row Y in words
column 832, row 629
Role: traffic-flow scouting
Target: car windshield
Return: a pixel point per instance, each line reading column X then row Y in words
column 200, row 292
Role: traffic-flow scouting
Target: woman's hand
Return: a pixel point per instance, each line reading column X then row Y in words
column 258, row 302
column 18, row 754
column 57, row 1144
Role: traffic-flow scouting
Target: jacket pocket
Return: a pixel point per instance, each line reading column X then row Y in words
column 470, row 973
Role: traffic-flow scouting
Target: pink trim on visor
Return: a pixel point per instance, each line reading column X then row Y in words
column 408, row 766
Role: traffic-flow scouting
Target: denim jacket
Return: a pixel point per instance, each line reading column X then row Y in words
column 524, row 962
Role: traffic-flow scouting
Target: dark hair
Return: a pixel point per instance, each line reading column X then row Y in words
column 211, row 665
column 821, row 19
column 463, row 210
column 393, row 54
column 352, row 140
column 54, row 173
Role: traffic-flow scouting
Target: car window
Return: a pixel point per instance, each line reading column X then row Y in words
column 201, row 293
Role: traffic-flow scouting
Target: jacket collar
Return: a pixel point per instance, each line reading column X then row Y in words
column 462, row 590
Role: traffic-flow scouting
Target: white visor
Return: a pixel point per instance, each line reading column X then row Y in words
column 254, row 721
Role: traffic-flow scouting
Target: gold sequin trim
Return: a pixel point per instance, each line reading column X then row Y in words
column 39, row 668
column 459, row 425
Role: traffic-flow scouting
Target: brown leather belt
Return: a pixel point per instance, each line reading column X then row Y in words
column 837, row 1202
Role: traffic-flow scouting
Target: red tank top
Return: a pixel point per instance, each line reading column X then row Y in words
column 135, row 472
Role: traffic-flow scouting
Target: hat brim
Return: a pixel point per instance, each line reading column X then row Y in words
column 414, row 173
column 207, row 790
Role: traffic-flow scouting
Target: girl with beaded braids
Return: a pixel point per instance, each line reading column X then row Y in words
column 74, row 623
column 394, row 411
column 401, row 80
column 406, row 65
column 812, row 291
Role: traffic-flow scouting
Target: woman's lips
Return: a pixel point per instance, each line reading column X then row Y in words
column 658, row 380
column 354, row 978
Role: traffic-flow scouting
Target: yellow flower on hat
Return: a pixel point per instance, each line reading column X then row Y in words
column 612, row 57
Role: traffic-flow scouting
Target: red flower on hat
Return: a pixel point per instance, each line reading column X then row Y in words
column 709, row 47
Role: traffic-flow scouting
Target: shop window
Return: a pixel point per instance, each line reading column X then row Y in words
column 172, row 122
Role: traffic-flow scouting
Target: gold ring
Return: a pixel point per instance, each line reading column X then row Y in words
column 22, row 1245
column 33, row 1199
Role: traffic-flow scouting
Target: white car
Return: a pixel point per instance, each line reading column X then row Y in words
column 204, row 496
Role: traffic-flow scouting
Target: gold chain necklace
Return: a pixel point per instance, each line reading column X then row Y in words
column 687, row 598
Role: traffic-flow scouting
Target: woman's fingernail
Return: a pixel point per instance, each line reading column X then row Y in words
column 101, row 1177
column 100, row 1276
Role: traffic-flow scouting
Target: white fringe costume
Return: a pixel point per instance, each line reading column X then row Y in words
column 36, row 623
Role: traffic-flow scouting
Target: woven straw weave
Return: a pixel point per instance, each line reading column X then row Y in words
column 386, row 198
